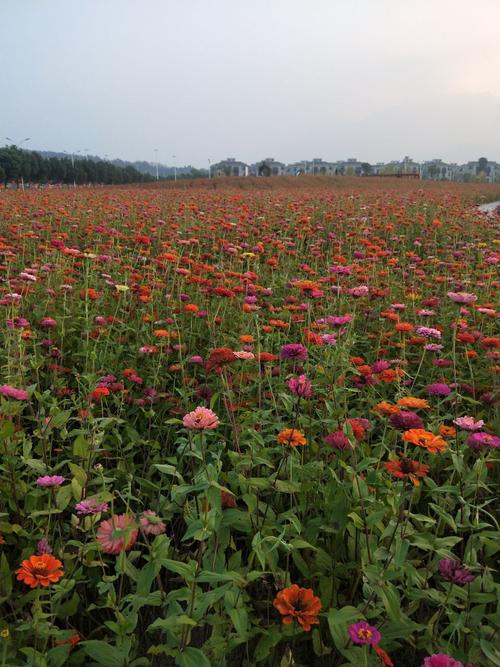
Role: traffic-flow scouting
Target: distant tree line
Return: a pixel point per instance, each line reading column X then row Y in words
column 29, row 166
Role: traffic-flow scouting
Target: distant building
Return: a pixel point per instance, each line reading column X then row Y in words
column 267, row 167
column 436, row 170
column 229, row 167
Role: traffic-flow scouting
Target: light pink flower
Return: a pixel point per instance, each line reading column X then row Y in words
column 462, row 297
column 151, row 524
column 468, row 423
column 201, row 419
column 49, row 481
column 244, row 355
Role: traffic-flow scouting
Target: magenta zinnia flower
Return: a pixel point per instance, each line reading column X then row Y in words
column 49, row 481
column 454, row 571
column 201, row 419
column 482, row 439
column 338, row 440
column 363, row 633
column 11, row 392
column 438, row 389
column 405, row 420
column 441, row 660
column 294, row 351
column 117, row 534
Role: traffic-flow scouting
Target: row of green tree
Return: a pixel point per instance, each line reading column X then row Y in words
column 21, row 166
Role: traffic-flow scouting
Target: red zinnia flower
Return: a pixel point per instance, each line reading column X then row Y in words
column 219, row 357
column 404, row 468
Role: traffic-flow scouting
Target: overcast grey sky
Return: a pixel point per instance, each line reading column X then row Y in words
column 293, row 79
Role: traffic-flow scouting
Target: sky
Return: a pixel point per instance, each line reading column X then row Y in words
column 289, row 79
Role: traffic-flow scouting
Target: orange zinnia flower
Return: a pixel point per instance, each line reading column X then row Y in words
column 447, row 431
column 386, row 408
column 412, row 402
column 404, row 468
column 432, row 443
column 300, row 603
column 292, row 437
column 40, row 571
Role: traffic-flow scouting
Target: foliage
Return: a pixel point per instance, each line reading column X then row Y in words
column 32, row 167
column 311, row 323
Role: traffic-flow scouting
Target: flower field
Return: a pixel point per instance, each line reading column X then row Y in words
column 250, row 426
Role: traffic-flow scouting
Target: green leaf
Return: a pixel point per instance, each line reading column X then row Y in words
column 490, row 652
column 338, row 622
column 186, row 570
column 169, row 470
column 192, row 657
column 5, row 578
column 80, row 446
column 239, row 617
column 103, row 653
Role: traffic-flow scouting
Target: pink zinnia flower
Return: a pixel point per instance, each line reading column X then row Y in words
column 151, row 524
column 11, row 392
column 48, row 323
column 441, row 660
column 90, row 506
column 300, row 386
column 462, row 297
column 49, row 481
column 201, row 419
column 362, row 290
column 117, row 534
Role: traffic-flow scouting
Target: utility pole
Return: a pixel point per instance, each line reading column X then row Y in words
column 156, row 160
column 175, row 168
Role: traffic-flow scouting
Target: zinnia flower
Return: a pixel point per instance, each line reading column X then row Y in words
column 468, row 423
column 218, row 358
column 201, row 419
column 40, row 571
column 405, row 420
column 404, row 468
column 151, row 524
column 413, row 403
column 300, row 386
column 49, row 481
column 441, row 660
column 90, row 506
column 438, row 389
column 117, row 534
column 453, row 570
column 432, row 443
column 363, row 633
column 338, row 440
column 462, row 297
column 294, row 351
column 292, row 437
column 482, row 439
column 11, row 392
column 300, row 603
